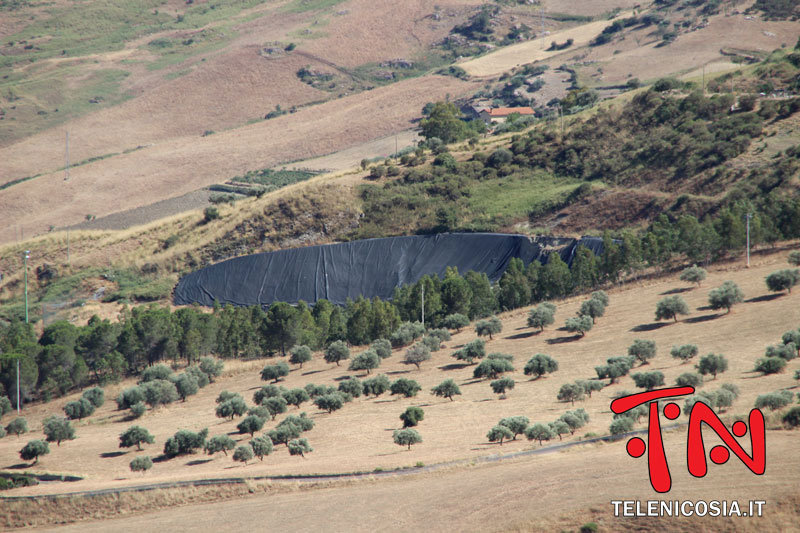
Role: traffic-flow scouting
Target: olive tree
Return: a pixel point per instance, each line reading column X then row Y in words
column 492, row 368
column 539, row 432
column 488, row 327
column 502, row 385
column 670, row 307
column 783, row 280
column 615, row 368
column 95, row 396
column 569, row 392
column 774, row 400
column 558, row 428
column 300, row 354
column 642, row 350
column 417, row 354
column 261, row 446
column 78, row 409
column 471, row 351
column 141, row 464
column 455, row 321
column 243, row 453
column 593, row 308
column 539, row 365
column 648, row 380
column 18, row 426
column 275, row 372
column 231, row 408
column 367, row 360
column 794, row 258
column 336, row 352
column 406, row 387
column 412, row 416
column 684, row 352
column 330, row 402
column 792, row 418
column 135, row 436
column 250, row 424
column 446, row 389
column 590, row 385
column 299, row 447
column 770, row 365
column 185, row 441
column 376, row 386
column 693, row 274
column 382, row 347
column 689, row 379
column 575, row 419
column 712, row 364
column 296, row 397
column 57, row 429
column 219, row 443
column 784, row 351
column 621, row 426
column 406, row 437
column 211, row 367
column 541, row 316
column 517, row 424
column 33, row 450
column 579, row 324
column 186, row 385
column 725, row 296
column 499, row 433
column 351, row 386
column 159, row 392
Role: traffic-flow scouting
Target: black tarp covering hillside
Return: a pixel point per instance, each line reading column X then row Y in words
column 368, row 268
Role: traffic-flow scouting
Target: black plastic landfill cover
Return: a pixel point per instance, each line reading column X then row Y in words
column 372, row 267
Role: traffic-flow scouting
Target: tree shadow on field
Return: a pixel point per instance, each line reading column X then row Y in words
column 385, row 401
column 523, row 335
column 484, row 400
column 393, row 372
column 19, row 466
column 562, row 340
column 705, row 308
column 454, row 366
column 473, row 382
column 649, row 327
column 108, row 455
column 764, row 298
column 679, row 290
column 311, row 372
column 342, row 378
column 161, row 458
column 704, row 318
column 198, row 462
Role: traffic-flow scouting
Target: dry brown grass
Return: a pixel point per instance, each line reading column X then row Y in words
column 358, row 438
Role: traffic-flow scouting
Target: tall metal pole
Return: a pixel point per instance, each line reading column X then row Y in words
column 748, row 216
column 66, row 160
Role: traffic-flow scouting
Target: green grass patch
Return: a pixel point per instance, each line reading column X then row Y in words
column 275, row 178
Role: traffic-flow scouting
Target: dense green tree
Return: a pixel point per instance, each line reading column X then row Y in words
column 78, row 409
column 575, row 419
column 95, row 396
column 443, row 123
column 671, row 307
column 785, row 351
column 211, row 367
column 541, row 316
column 302, row 422
column 250, row 424
column 712, row 364
column 275, row 406
column 590, row 385
column 152, row 373
column 774, row 400
column 406, row 437
column 517, row 424
column 514, row 291
column 135, row 436
column 499, row 433
column 558, row 428
column 296, row 397
column 483, row 302
column 689, row 379
column 539, row 365
column 556, row 279
column 33, row 450
column 232, row 407
column 243, row 453
column 615, row 368
column 5, row 406
column 770, row 365
column 456, row 293
column 57, row 429
column 455, row 321
column 592, row 308
column 791, row 419
column 186, row 385
column 621, row 426
column 159, row 392
column 489, row 327
column 382, row 347
column 585, row 269
column 351, row 386
column 284, row 433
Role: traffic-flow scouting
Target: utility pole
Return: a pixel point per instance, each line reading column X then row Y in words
column 541, row 13
column 423, row 305
column 747, row 217
column 704, row 80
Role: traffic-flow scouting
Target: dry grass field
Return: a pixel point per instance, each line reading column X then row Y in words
column 540, row 492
